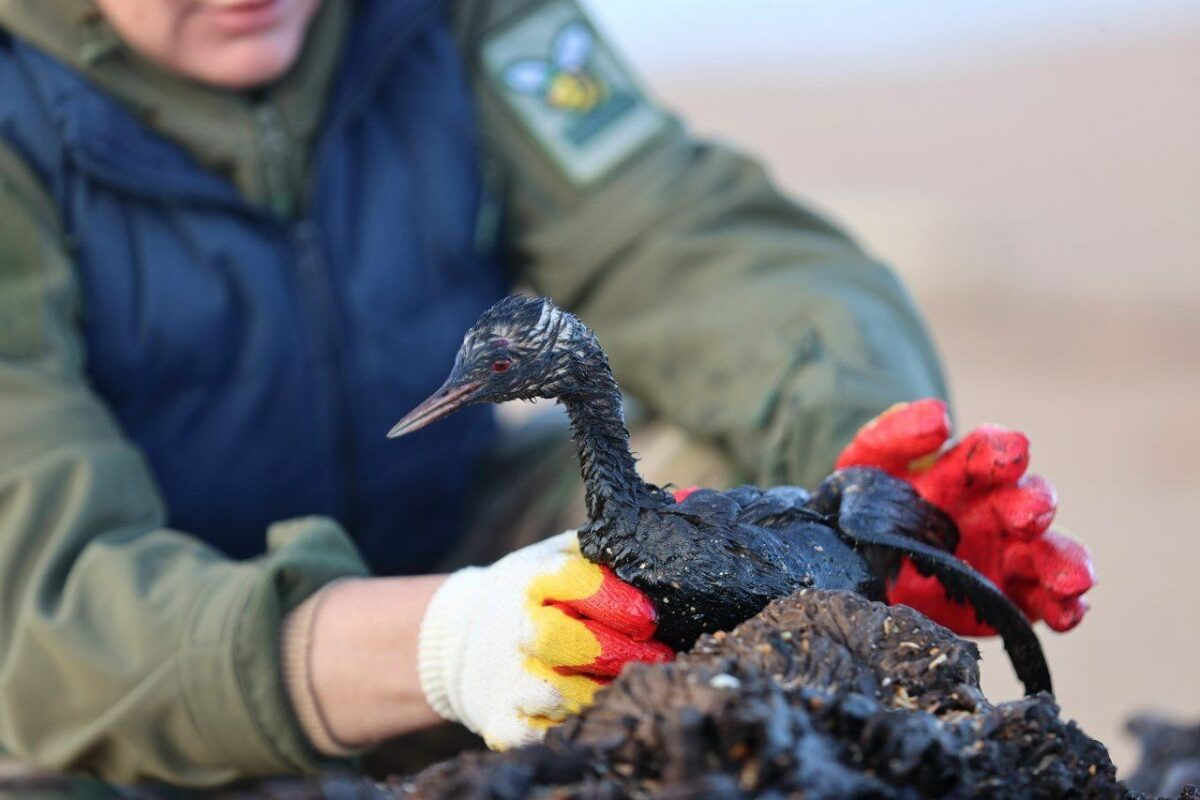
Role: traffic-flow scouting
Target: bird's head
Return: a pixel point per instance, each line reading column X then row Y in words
column 521, row 348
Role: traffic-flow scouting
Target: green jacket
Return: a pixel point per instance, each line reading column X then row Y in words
column 133, row 651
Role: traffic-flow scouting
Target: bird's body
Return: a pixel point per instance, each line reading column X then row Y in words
column 715, row 558
column 710, row 564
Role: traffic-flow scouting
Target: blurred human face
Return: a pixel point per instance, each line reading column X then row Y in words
column 238, row 44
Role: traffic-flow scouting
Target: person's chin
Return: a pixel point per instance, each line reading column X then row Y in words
column 248, row 64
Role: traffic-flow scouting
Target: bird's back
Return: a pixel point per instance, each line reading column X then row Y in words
column 717, row 558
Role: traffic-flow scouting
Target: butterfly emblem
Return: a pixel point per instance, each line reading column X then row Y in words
column 563, row 81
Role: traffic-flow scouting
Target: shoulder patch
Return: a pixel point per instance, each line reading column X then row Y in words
column 569, row 91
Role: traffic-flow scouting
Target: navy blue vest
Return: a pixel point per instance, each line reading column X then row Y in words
column 259, row 362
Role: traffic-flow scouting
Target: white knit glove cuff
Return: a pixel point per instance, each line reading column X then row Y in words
column 442, row 641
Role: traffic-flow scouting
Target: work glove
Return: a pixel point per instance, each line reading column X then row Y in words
column 1003, row 515
column 511, row 649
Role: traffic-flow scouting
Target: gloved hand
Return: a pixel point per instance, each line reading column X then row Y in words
column 511, row 649
column 1003, row 515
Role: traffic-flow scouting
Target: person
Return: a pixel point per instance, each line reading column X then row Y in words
column 237, row 238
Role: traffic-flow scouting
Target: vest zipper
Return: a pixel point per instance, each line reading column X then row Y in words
column 316, row 292
column 277, row 153
column 311, row 267
column 325, row 333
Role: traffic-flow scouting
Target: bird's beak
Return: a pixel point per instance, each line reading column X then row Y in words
column 442, row 403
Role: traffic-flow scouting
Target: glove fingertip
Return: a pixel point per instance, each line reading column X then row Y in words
column 991, row 455
column 1063, row 618
column 1067, row 569
column 615, row 650
column 1060, row 614
column 619, row 606
column 1027, row 509
column 901, row 434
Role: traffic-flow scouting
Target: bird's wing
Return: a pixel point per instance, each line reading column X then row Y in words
column 777, row 507
column 886, row 504
column 744, row 495
column 705, row 507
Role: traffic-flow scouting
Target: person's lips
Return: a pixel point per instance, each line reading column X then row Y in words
column 241, row 17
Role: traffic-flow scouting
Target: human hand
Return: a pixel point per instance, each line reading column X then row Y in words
column 1003, row 515
column 511, row 649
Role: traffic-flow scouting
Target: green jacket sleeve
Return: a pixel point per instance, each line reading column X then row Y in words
column 724, row 306
column 127, row 650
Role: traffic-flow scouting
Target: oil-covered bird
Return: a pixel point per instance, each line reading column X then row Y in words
column 715, row 558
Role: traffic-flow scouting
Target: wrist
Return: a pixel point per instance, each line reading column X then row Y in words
column 350, row 662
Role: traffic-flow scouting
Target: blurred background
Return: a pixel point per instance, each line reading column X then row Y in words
column 1033, row 172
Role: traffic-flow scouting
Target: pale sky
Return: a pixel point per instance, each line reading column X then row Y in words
column 842, row 37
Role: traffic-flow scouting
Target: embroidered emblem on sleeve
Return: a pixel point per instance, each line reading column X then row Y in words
column 569, row 91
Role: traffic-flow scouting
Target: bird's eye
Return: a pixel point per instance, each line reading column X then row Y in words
column 501, row 365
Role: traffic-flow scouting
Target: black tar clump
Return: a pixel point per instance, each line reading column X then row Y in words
column 1170, row 756
column 822, row 693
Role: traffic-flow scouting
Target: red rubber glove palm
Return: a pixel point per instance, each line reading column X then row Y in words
column 1003, row 515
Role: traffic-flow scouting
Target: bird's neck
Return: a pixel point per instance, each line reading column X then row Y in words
column 615, row 491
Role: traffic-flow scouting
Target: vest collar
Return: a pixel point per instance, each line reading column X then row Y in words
column 106, row 138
